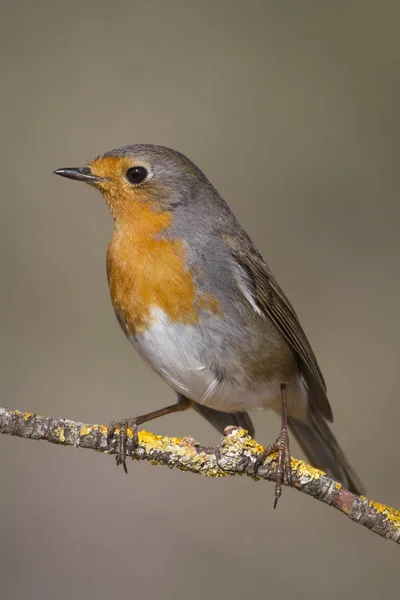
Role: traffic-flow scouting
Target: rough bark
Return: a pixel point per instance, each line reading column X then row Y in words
column 236, row 455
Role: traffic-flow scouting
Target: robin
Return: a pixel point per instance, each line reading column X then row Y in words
column 196, row 299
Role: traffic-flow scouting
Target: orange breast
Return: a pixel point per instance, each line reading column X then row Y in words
column 146, row 273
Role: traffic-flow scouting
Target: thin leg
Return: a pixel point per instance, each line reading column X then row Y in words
column 182, row 404
column 283, row 470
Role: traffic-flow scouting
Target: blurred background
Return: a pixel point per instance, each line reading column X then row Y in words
column 292, row 111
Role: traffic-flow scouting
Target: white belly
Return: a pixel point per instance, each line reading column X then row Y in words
column 177, row 352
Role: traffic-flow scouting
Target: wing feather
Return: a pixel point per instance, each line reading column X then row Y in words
column 273, row 303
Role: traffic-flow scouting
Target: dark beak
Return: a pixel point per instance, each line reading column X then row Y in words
column 80, row 174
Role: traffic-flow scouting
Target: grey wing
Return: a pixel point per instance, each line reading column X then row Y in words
column 272, row 302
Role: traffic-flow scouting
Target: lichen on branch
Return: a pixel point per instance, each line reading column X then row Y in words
column 237, row 454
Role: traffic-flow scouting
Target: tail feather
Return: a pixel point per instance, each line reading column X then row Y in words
column 322, row 450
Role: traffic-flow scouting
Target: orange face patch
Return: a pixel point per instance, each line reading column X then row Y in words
column 119, row 194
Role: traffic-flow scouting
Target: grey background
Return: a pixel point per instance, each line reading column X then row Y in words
column 292, row 110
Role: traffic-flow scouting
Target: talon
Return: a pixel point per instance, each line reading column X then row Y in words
column 121, row 451
column 283, row 472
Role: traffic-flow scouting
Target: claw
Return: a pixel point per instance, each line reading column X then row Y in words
column 283, row 469
column 123, row 426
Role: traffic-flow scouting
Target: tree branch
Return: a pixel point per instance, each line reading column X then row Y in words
column 236, row 455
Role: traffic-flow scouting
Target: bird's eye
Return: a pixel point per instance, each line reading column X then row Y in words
column 136, row 175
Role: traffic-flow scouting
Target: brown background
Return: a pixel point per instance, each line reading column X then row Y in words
column 292, row 110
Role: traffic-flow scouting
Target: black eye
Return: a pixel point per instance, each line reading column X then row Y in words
column 136, row 175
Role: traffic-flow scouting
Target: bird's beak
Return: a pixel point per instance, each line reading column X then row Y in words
column 80, row 174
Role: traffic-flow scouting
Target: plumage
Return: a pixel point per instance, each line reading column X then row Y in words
column 198, row 302
column 273, row 303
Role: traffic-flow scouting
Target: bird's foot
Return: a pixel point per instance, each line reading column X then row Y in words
column 283, row 469
column 123, row 439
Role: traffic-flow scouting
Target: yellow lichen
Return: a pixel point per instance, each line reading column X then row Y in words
column 304, row 469
column 239, row 439
column 252, row 445
column 155, row 442
column 60, row 434
column 392, row 514
column 103, row 430
column 85, row 430
column 27, row 416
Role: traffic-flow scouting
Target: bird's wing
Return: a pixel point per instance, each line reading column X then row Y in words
column 270, row 300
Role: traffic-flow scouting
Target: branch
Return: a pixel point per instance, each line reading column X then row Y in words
column 236, row 455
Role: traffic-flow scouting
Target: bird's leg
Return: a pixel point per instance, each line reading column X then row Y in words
column 283, row 470
column 133, row 423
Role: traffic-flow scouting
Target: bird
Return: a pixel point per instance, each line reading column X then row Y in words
column 196, row 299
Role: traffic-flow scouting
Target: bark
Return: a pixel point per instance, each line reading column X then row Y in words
column 236, row 455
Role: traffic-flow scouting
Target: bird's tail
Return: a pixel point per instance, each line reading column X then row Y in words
column 322, row 450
